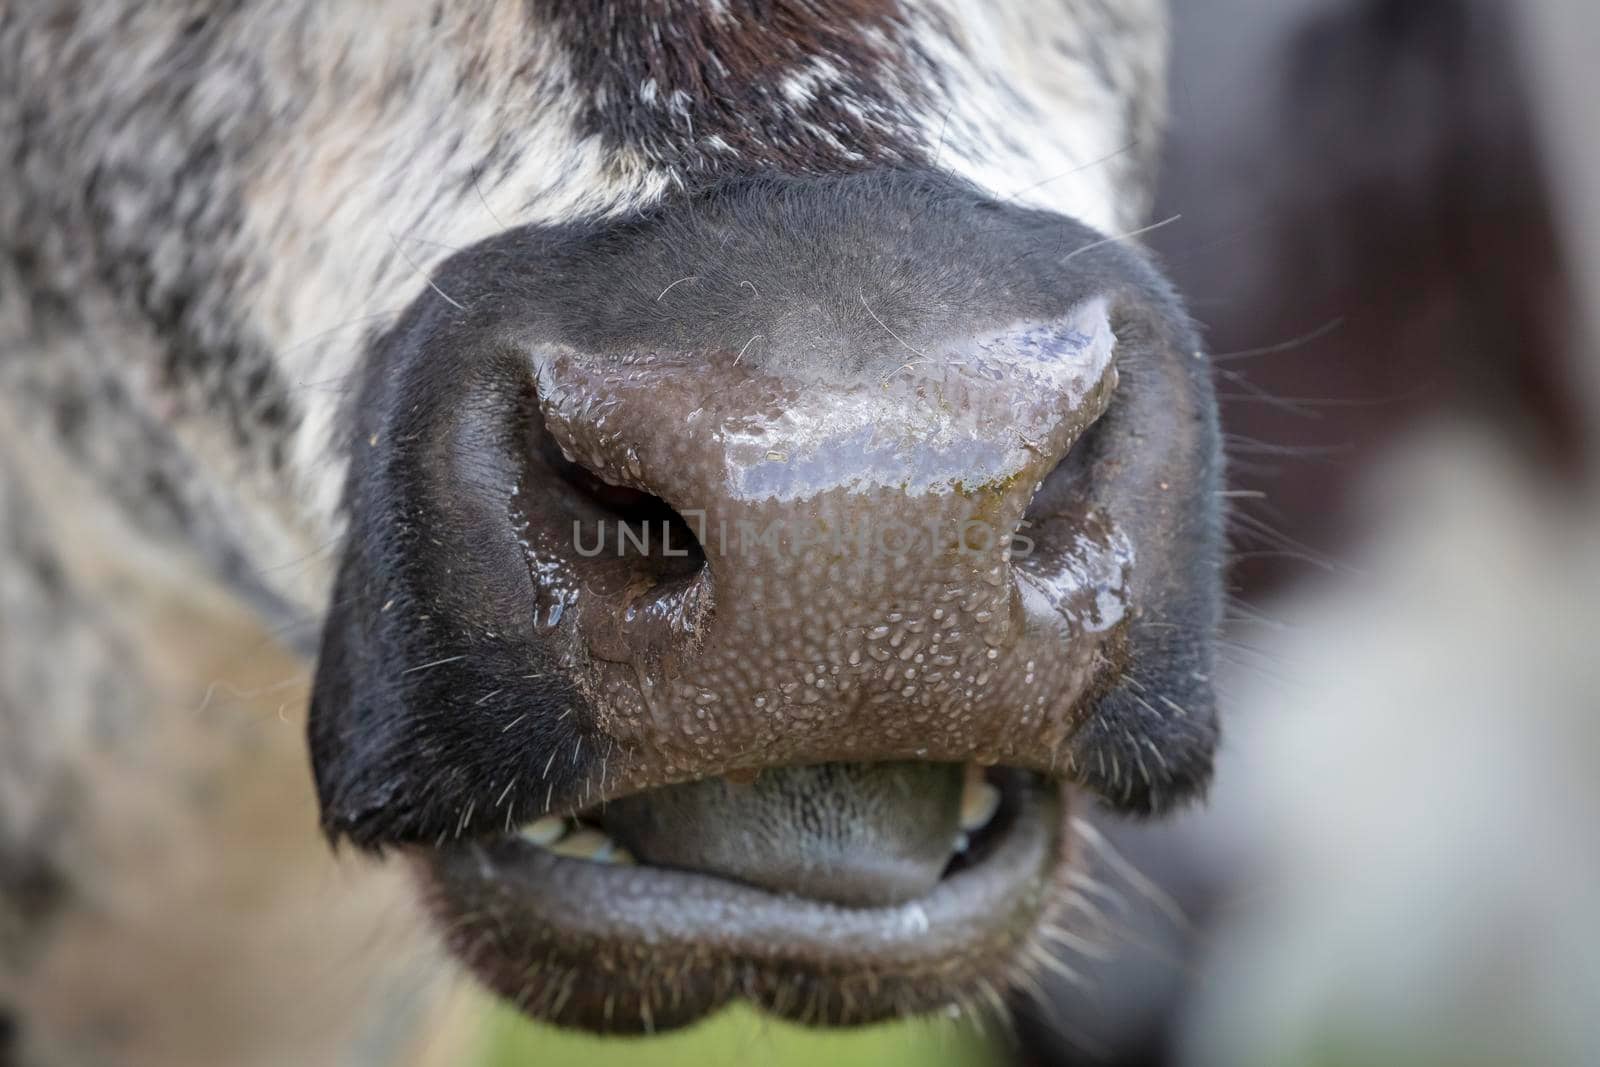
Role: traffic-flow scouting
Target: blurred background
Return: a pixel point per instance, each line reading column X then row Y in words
column 1390, row 220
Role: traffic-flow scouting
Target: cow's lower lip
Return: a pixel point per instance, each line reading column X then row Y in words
column 639, row 948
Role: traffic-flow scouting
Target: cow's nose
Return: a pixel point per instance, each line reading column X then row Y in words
column 778, row 474
column 807, row 565
column 804, row 556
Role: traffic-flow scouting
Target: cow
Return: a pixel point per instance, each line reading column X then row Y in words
column 738, row 480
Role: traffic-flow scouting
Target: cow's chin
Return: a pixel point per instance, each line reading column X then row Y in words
column 562, row 923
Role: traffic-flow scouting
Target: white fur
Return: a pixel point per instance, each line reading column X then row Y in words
column 1018, row 119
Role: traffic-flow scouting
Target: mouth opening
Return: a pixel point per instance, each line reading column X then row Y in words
column 988, row 804
column 567, row 922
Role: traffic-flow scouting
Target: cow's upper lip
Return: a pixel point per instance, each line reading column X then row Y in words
column 629, row 948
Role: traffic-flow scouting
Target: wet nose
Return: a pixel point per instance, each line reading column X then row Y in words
column 771, row 544
column 758, row 497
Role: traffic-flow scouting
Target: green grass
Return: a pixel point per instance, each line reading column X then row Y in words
column 734, row 1038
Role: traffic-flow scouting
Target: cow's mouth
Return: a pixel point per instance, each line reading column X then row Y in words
column 570, row 927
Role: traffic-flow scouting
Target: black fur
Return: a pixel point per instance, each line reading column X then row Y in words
column 717, row 103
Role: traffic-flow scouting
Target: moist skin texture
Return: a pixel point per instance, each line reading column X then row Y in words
column 858, row 598
column 473, row 643
column 937, row 480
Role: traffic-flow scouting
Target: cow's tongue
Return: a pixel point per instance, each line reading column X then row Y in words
column 857, row 834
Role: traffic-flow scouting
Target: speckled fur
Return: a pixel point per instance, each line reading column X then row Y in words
column 226, row 205
column 214, row 211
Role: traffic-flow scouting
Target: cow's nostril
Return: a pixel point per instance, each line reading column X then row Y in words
column 612, row 566
column 618, row 521
column 1066, row 488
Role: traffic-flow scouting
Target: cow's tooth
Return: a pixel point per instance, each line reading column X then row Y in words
column 613, row 853
column 979, row 802
column 583, row 843
column 544, row 832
